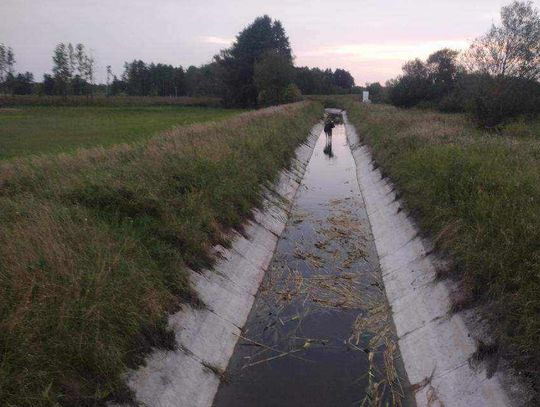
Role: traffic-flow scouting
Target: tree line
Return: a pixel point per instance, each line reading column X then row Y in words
column 496, row 79
column 10, row 82
column 257, row 70
column 315, row 81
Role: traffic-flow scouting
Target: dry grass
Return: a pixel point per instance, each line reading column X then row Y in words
column 94, row 247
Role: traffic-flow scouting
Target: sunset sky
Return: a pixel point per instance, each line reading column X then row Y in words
column 371, row 39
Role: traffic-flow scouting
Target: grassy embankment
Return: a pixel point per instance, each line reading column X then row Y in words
column 94, row 246
column 28, row 130
column 478, row 195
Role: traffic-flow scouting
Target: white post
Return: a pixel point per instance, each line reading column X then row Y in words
column 365, row 96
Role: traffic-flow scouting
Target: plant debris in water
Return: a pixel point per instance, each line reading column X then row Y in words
column 335, row 282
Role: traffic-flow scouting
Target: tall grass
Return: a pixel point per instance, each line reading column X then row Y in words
column 478, row 195
column 94, row 247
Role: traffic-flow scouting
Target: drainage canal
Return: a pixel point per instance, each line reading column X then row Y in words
column 320, row 331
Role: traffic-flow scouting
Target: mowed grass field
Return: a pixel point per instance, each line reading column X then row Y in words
column 32, row 130
column 477, row 194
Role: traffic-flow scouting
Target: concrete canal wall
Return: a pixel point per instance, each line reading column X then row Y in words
column 190, row 376
column 436, row 346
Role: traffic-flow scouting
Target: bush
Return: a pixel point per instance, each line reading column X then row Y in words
column 452, row 103
column 292, row 94
column 269, row 97
column 492, row 101
column 409, row 91
column 274, row 95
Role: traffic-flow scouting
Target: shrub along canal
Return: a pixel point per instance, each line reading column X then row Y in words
column 320, row 330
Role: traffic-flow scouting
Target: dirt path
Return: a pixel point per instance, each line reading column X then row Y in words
column 319, row 332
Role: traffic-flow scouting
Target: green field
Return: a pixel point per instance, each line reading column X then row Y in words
column 48, row 129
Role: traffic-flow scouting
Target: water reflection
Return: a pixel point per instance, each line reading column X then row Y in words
column 328, row 147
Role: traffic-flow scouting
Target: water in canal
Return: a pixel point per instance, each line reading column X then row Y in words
column 319, row 332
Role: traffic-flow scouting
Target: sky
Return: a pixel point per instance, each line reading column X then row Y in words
column 371, row 39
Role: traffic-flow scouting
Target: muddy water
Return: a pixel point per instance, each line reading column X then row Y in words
column 319, row 333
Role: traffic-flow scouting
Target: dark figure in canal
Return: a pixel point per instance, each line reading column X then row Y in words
column 328, row 126
column 328, row 147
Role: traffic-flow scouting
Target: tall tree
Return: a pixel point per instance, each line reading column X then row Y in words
column 204, row 80
column 7, row 62
column 109, row 78
column 89, row 71
column 443, row 70
column 73, row 69
column 48, row 85
column 238, row 62
column 442, row 66
column 62, row 69
column 273, row 73
column 143, row 79
column 343, row 79
column 72, row 58
column 413, row 86
column 511, row 48
column 375, row 91
column 415, row 69
column 23, row 84
column 78, row 62
column 315, row 81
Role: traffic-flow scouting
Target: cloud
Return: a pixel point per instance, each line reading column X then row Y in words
column 216, row 40
column 378, row 52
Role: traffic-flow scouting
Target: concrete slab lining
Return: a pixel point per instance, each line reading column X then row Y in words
column 436, row 346
column 190, row 376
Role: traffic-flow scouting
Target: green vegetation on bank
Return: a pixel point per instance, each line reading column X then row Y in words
column 37, row 130
column 477, row 194
column 94, row 246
